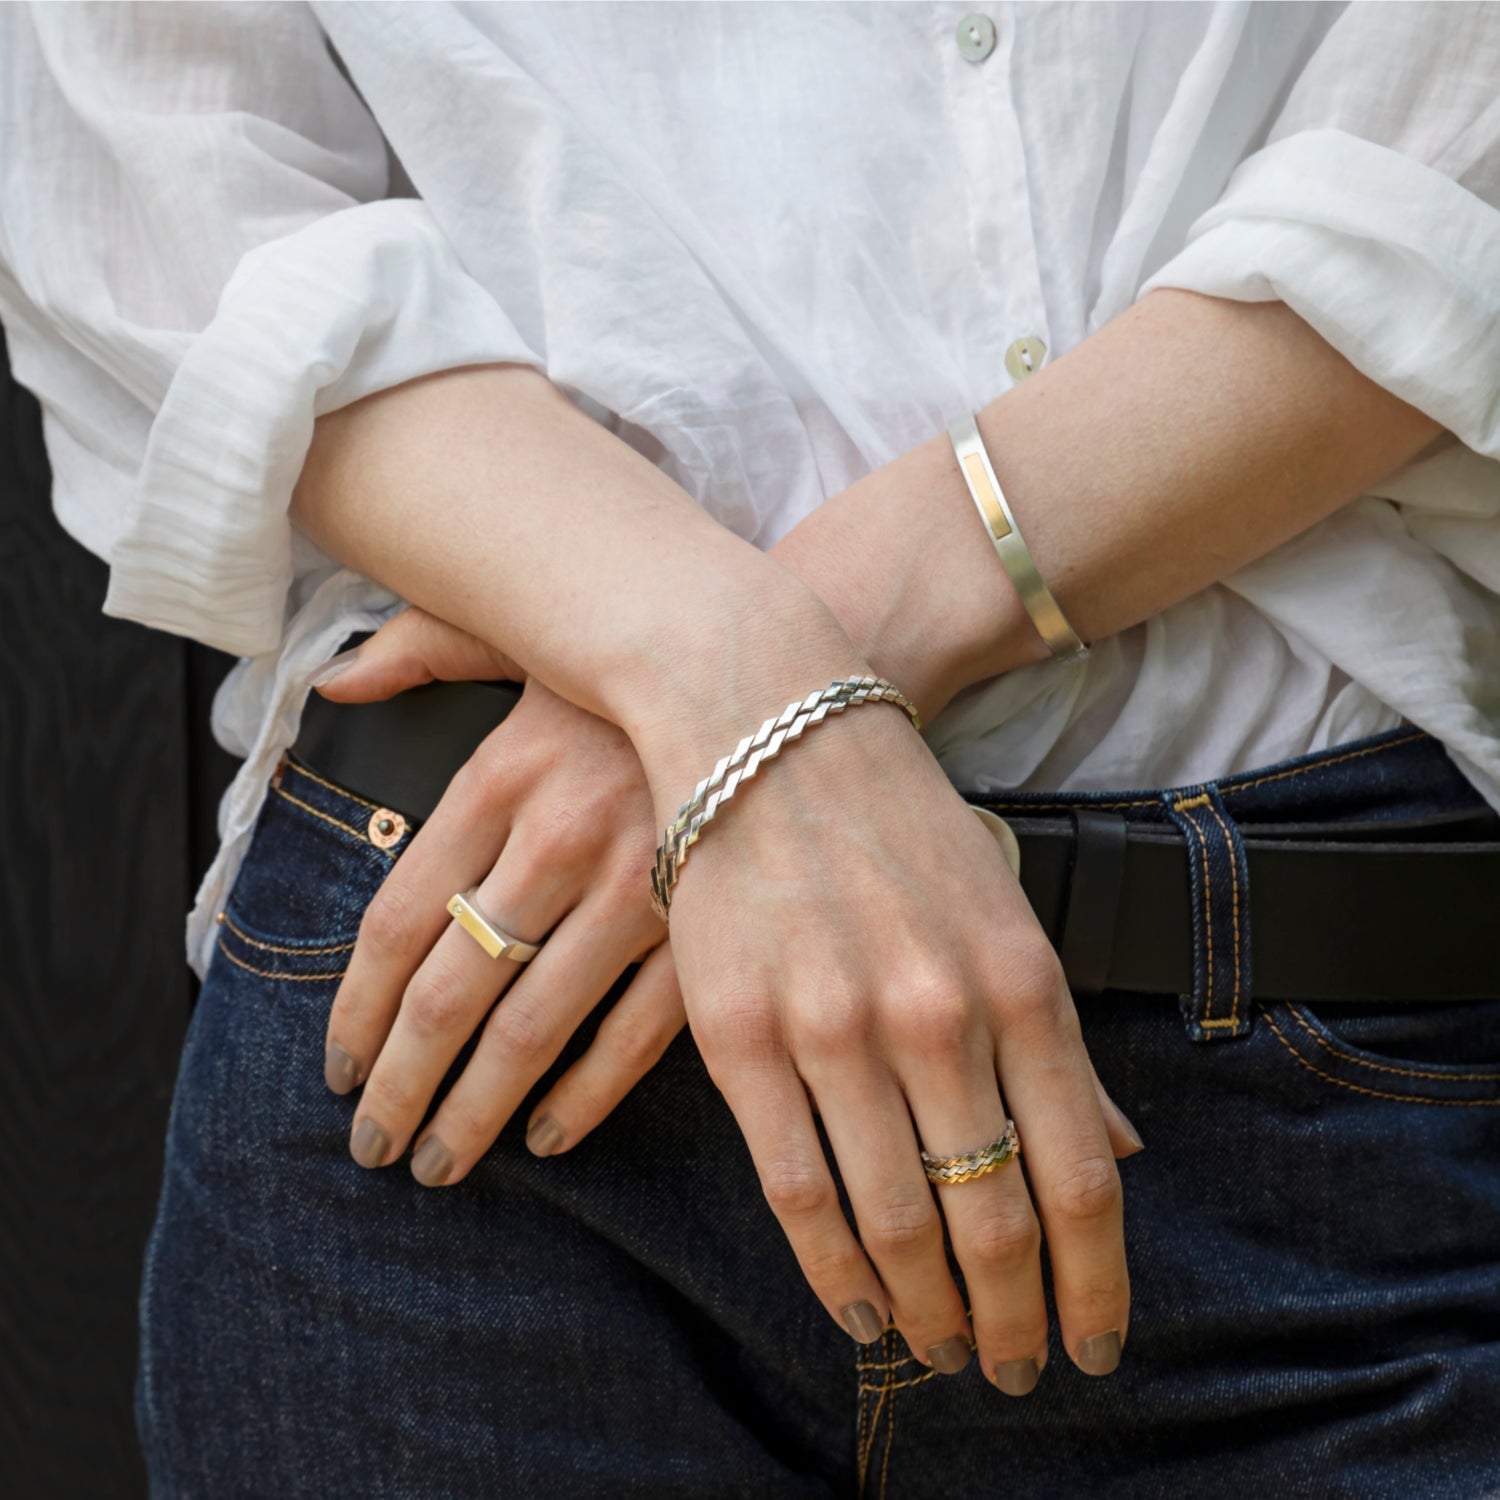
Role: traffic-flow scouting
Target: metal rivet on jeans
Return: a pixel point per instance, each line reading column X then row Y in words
column 386, row 827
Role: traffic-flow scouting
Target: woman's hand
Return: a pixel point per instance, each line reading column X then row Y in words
column 850, row 940
column 552, row 819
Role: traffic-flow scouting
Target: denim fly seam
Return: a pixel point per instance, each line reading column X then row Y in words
column 882, row 1370
column 1219, row 883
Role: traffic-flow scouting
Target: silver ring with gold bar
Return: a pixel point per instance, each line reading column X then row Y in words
column 494, row 940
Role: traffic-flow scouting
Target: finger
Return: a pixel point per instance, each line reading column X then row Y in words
column 454, row 987
column 525, row 1032
column 1047, row 1079
column 900, row 1226
column 1124, row 1139
column 631, row 1038
column 451, row 851
column 770, row 1104
column 956, row 1103
column 408, row 650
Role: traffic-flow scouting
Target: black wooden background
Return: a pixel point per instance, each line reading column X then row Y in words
column 109, row 788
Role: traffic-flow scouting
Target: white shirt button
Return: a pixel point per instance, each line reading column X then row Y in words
column 1025, row 356
column 976, row 37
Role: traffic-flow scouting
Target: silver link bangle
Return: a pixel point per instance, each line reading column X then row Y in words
column 714, row 791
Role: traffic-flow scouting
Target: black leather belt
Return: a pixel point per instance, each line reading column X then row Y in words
column 1388, row 910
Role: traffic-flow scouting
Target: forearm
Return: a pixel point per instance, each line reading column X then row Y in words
column 486, row 497
column 1177, row 443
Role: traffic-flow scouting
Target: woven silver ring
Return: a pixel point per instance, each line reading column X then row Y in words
column 949, row 1169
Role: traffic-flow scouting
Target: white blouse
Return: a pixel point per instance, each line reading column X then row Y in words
column 771, row 246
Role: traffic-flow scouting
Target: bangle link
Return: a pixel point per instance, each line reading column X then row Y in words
column 1015, row 557
column 713, row 791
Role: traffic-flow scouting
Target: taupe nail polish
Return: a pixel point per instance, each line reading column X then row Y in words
column 544, row 1136
column 1018, row 1377
column 862, row 1321
column 949, row 1357
column 431, row 1162
column 368, row 1144
column 1100, row 1354
column 340, row 1071
column 333, row 666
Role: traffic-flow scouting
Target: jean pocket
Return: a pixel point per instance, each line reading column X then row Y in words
column 309, row 872
column 1415, row 1051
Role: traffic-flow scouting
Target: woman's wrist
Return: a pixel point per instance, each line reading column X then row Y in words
column 694, row 692
column 902, row 559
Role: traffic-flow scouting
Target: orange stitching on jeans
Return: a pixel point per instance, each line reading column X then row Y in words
column 890, row 1364
column 1224, row 787
column 1320, row 764
column 1359, row 1088
column 869, row 1411
column 890, row 1438
column 1234, row 877
column 308, row 807
column 343, row 791
column 874, row 1427
column 859, row 1423
column 272, row 948
column 268, row 974
column 1208, row 902
column 1486, row 1077
column 900, row 1385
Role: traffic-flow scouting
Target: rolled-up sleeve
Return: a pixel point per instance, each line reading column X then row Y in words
column 1373, row 209
column 199, row 258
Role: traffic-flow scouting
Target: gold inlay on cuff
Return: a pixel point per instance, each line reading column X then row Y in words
column 999, row 526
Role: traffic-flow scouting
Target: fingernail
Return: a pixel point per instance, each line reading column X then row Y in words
column 1130, row 1129
column 333, row 666
column 431, row 1162
column 340, row 1071
column 544, row 1136
column 861, row 1319
column 369, row 1143
column 1100, row 1354
column 1017, row 1377
column 949, row 1357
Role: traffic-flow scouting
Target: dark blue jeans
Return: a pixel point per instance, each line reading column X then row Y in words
column 1313, row 1232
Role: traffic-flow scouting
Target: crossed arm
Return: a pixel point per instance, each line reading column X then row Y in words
column 881, row 965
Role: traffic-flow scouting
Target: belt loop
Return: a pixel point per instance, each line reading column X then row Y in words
column 1219, row 884
column 1093, row 901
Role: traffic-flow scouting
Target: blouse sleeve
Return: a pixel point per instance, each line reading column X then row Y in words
column 1373, row 210
column 197, row 258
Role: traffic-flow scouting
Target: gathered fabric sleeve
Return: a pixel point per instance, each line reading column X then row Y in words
column 198, row 257
column 1373, row 209
column 1373, row 212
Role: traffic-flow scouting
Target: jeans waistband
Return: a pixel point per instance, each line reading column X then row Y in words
column 1399, row 773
